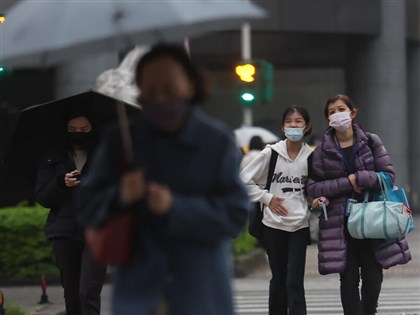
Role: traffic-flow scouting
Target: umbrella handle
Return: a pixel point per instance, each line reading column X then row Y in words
column 124, row 127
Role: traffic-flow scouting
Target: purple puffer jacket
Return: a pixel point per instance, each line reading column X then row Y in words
column 328, row 177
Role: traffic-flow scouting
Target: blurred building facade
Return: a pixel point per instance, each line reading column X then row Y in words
column 367, row 49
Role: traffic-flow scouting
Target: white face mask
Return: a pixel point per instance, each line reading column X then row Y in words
column 340, row 121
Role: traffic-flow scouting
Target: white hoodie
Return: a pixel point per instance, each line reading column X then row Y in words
column 288, row 182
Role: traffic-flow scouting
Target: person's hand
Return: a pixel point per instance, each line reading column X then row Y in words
column 159, row 198
column 317, row 203
column 70, row 180
column 352, row 179
column 276, row 206
column 132, row 187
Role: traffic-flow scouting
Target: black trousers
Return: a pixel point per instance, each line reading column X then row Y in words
column 361, row 263
column 287, row 256
column 81, row 277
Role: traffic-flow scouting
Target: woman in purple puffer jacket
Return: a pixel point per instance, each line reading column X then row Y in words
column 344, row 165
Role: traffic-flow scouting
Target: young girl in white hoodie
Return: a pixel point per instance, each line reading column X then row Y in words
column 286, row 214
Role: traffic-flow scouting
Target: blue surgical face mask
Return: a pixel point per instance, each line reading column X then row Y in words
column 294, row 134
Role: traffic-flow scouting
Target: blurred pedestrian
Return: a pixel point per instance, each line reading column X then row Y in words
column 344, row 165
column 285, row 211
column 186, row 192
column 61, row 171
column 256, row 145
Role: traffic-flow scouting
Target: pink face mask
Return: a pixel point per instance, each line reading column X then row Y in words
column 340, row 121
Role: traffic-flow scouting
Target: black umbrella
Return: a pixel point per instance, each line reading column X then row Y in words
column 40, row 127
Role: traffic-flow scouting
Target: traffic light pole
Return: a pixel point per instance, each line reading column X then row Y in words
column 246, row 55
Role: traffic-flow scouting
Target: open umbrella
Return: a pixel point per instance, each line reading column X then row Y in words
column 42, row 33
column 39, row 128
column 244, row 134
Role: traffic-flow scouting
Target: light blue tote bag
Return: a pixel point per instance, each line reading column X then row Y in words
column 382, row 219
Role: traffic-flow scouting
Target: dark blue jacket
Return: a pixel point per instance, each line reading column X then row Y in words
column 184, row 257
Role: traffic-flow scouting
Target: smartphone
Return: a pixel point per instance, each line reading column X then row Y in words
column 78, row 176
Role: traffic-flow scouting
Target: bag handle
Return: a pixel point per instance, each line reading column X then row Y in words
column 383, row 185
column 365, row 204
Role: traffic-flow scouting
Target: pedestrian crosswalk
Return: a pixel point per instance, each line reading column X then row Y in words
column 396, row 301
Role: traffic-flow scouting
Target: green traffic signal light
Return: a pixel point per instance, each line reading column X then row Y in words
column 5, row 72
column 247, row 97
column 246, row 72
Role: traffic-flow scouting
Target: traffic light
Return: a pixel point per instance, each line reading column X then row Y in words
column 4, row 72
column 255, row 85
column 246, row 73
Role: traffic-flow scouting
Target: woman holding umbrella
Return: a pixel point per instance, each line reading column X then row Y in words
column 185, row 190
column 59, row 176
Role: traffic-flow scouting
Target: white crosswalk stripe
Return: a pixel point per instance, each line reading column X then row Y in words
column 397, row 301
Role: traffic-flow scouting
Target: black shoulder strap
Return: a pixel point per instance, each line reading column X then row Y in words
column 273, row 161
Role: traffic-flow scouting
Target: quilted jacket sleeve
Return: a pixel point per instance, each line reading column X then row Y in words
column 330, row 188
column 368, row 179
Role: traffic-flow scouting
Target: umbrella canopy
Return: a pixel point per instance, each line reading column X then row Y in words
column 42, row 33
column 41, row 127
column 244, row 134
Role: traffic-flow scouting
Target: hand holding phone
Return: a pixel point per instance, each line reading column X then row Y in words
column 72, row 179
